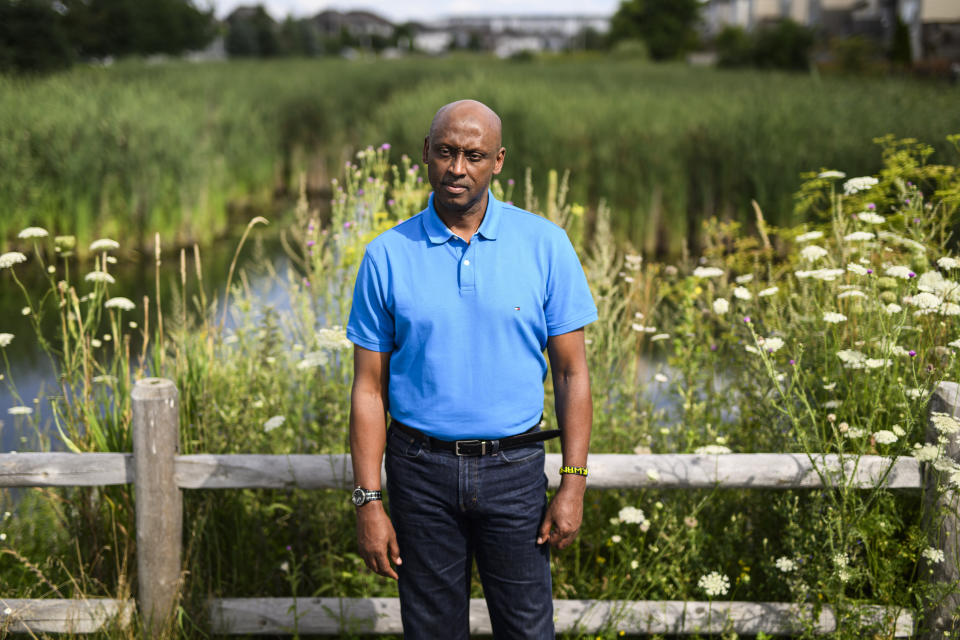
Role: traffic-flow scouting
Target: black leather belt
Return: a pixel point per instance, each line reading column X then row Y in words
column 477, row 447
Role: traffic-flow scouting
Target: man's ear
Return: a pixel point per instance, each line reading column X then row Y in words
column 498, row 165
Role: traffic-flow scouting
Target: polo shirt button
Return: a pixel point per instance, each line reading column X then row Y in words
column 466, row 263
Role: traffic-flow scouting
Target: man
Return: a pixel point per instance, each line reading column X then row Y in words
column 452, row 311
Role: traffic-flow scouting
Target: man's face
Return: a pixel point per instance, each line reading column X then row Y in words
column 462, row 154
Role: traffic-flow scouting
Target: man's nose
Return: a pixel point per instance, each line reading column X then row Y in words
column 458, row 166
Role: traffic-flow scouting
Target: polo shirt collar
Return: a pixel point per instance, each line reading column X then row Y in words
column 439, row 233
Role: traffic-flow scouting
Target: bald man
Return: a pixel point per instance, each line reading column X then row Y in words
column 452, row 312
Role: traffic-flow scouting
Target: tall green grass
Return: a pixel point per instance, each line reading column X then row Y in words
column 179, row 148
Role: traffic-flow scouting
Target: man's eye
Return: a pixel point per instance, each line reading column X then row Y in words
column 476, row 157
column 445, row 152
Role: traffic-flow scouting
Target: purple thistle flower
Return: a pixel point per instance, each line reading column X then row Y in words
column 792, row 361
column 347, row 224
column 310, row 243
column 385, row 146
column 907, row 200
column 746, row 319
column 419, row 180
column 289, row 548
column 911, row 275
column 869, row 271
column 713, row 347
column 916, row 221
column 415, row 167
column 370, row 179
column 359, row 192
column 871, row 206
column 390, row 202
column 911, row 353
column 510, row 182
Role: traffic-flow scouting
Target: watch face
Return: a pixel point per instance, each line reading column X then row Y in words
column 359, row 497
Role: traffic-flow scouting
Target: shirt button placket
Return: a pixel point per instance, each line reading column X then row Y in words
column 468, row 269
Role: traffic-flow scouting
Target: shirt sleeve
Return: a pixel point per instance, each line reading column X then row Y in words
column 371, row 324
column 569, row 304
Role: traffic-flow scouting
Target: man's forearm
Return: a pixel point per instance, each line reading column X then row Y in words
column 575, row 416
column 367, row 438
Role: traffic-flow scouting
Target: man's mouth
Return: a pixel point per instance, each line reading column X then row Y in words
column 454, row 188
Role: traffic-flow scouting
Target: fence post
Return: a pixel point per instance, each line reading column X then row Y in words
column 159, row 505
column 943, row 517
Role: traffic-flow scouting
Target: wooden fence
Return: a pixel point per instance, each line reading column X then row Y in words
column 160, row 473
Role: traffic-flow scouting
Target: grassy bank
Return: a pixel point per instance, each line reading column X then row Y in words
column 825, row 338
column 178, row 148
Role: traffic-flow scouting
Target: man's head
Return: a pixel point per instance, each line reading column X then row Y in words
column 462, row 153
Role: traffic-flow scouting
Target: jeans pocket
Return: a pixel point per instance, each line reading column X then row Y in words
column 522, row 454
column 402, row 445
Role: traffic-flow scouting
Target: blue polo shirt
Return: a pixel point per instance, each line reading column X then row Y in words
column 467, row 324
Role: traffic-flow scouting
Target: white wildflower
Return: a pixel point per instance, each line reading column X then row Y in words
column 844, row 574
column 660, row 377
column 926, row 453
column 25, row 311
column 812, row 253
column 841, row 560
column 947, row 262
column 104, row 244
column 33, row 232
column 892, row 308
column 615, row 539
column 785, row 564
column 827, row 275
column 850, row 356
column 830, row 387
column 944, row 423
column 333, row 338
column 744, row 279
column 273, row 423
column 897, row 350
column 856, row 185
column 660, row 336
column 313, row 359
column 741, row 293
column 7, row 611
column 950, row 309
column 634, row 564
column 809, row 235
column 832, row 174
column 898, row 271
column 926, row 300
column 772, row 344
column 870, row 217
column 884, row 436
column 852, row 293
column 285, row 566
column 105, row 379
column 642, row 329
column 876, row 363
column 769, row 291
column 833, row 317
column 707, row 272
column 721, row 306
column 20, row 411
column 913, row 245
column 95, row 343
column 99, row 276
column 954, row 343
column 932, row 555
column 5, row 339
column 853, row 267
column 712, row 450
column 714, row 584
column 631, row 515
column 898, row 431
column 124, row 304
column 11, row 258
column 916, row 393
column 859, row 236
column 751, row 349
column 653, row 475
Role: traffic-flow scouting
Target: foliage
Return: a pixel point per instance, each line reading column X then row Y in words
column 782, row 45
column 668, row 27
column 33, row 37
column 823, row 338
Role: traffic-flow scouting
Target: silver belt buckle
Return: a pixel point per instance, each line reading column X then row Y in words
column 482, row 443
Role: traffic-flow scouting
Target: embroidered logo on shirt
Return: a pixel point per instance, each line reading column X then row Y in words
column 516, row 308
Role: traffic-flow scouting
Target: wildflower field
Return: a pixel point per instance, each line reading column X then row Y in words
column 817, row 320
column 827, row 337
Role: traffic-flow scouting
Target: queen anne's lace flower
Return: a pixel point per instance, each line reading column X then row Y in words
column 944, row 423
column 926, row 453
column 631, row 515
column 99, row 276
column 832, row 175
column 707, row 272
column 714, row 584
column 870, row 217
column 11, row 258
column 884, row 436
column 20, row 411
column 742, row 293
column 273, row 422
column 32, row 233
column 856, row 185
column 809, row 235
column 898, row 271
column 812, row 253
column 852, row 293
column 769, row 291
column 833, row 317
column 104, row 244
column 5, row 339
column 853, row 267
column 785, row 564
column 947, row 262
column 933, row 556
column 124, row 304
column 744, row 279
column 721, row 306
column 859, row 236
column 712, row 450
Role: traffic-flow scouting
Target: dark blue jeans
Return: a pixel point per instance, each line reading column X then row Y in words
column 447, row 510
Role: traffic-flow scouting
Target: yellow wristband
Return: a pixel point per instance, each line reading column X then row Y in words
column 577, row 471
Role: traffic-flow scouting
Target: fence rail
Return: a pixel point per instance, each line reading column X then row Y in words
column 159, row 474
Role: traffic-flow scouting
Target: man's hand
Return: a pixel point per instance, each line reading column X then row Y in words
column 377, row 540
column 564, row 515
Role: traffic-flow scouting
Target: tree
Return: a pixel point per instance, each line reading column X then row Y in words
column 32, row 37
column 667, row 26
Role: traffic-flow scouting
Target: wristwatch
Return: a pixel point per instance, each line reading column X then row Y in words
column 362, row 496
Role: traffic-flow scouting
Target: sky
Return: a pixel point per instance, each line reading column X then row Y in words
column 423, row 10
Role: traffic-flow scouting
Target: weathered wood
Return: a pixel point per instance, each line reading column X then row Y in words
column 607, row 471
column 943, row 519
column 65, row 469
column 63, row 616
column 380, row 616
column 159, row 505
